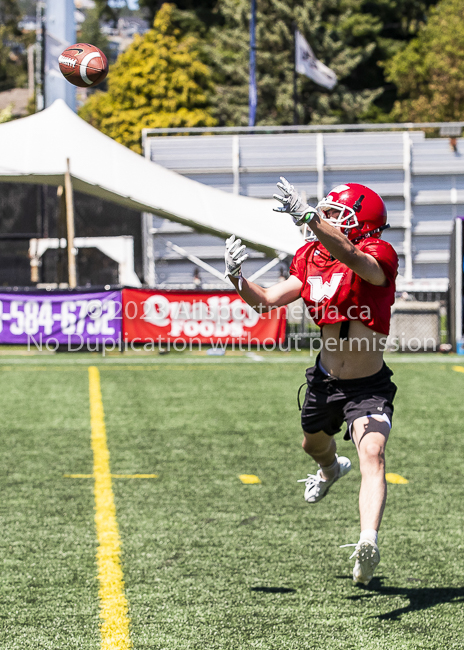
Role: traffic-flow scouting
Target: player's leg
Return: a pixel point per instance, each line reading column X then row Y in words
column 321, row 415
column 370, row 435
column 322, row 448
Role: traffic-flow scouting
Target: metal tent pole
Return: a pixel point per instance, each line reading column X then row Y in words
column 72, row 279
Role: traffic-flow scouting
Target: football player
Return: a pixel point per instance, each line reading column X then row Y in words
column 346, row 276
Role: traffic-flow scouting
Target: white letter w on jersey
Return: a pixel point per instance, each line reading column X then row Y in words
column 320, row 290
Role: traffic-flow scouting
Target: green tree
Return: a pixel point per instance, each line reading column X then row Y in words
column 13, row 44
column 6, row 115
column 91, row 32
column 205, row 10
column 159, row 81
column 10, row 15
column 328, row 32
column 8, row 67
column 429, row 72
column 109, row 10
column 352, row 37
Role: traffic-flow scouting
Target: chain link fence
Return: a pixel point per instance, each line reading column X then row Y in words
column 415, row 326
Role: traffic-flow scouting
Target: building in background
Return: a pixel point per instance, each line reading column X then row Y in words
column 122, row 34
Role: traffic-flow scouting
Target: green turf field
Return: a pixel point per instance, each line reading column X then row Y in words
column 208, row 562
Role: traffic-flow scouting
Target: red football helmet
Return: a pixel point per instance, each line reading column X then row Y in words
column 362, row 211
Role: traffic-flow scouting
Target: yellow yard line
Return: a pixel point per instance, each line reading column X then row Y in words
column 113, row 604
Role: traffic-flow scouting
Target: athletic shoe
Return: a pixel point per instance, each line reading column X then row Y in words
column 316, row 487
column 367, row 558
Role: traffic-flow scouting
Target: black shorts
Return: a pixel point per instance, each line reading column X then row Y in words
column 330, row 401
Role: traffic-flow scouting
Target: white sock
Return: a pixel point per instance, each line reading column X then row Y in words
column 368, row 534
column 332, row 471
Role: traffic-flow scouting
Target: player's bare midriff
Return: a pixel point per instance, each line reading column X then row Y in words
column 361, row 355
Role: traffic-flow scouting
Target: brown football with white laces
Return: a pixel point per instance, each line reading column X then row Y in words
column 83, row 65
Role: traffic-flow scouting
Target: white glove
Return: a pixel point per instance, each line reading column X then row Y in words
column 293, row 204
column 234, row 256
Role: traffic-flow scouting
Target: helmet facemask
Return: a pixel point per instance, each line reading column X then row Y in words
column 345, row 220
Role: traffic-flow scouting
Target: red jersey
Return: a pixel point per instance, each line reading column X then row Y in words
column 334, row 293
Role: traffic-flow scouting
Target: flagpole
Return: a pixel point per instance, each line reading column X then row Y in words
column 252, row 90
column 295, row 87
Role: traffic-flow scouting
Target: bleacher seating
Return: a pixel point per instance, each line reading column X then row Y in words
column 421, row 180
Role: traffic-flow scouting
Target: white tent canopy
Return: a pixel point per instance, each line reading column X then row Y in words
column 34, row 149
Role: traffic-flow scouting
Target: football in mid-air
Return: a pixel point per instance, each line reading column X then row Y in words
column 83, row 65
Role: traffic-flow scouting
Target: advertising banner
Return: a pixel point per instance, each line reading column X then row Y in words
column 157, row 316
column 75, row 319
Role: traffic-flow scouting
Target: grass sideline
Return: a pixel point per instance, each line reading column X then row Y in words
column 210, row 563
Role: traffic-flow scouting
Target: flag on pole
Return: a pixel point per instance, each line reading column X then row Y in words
column 252, row 92
column 307, row 64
